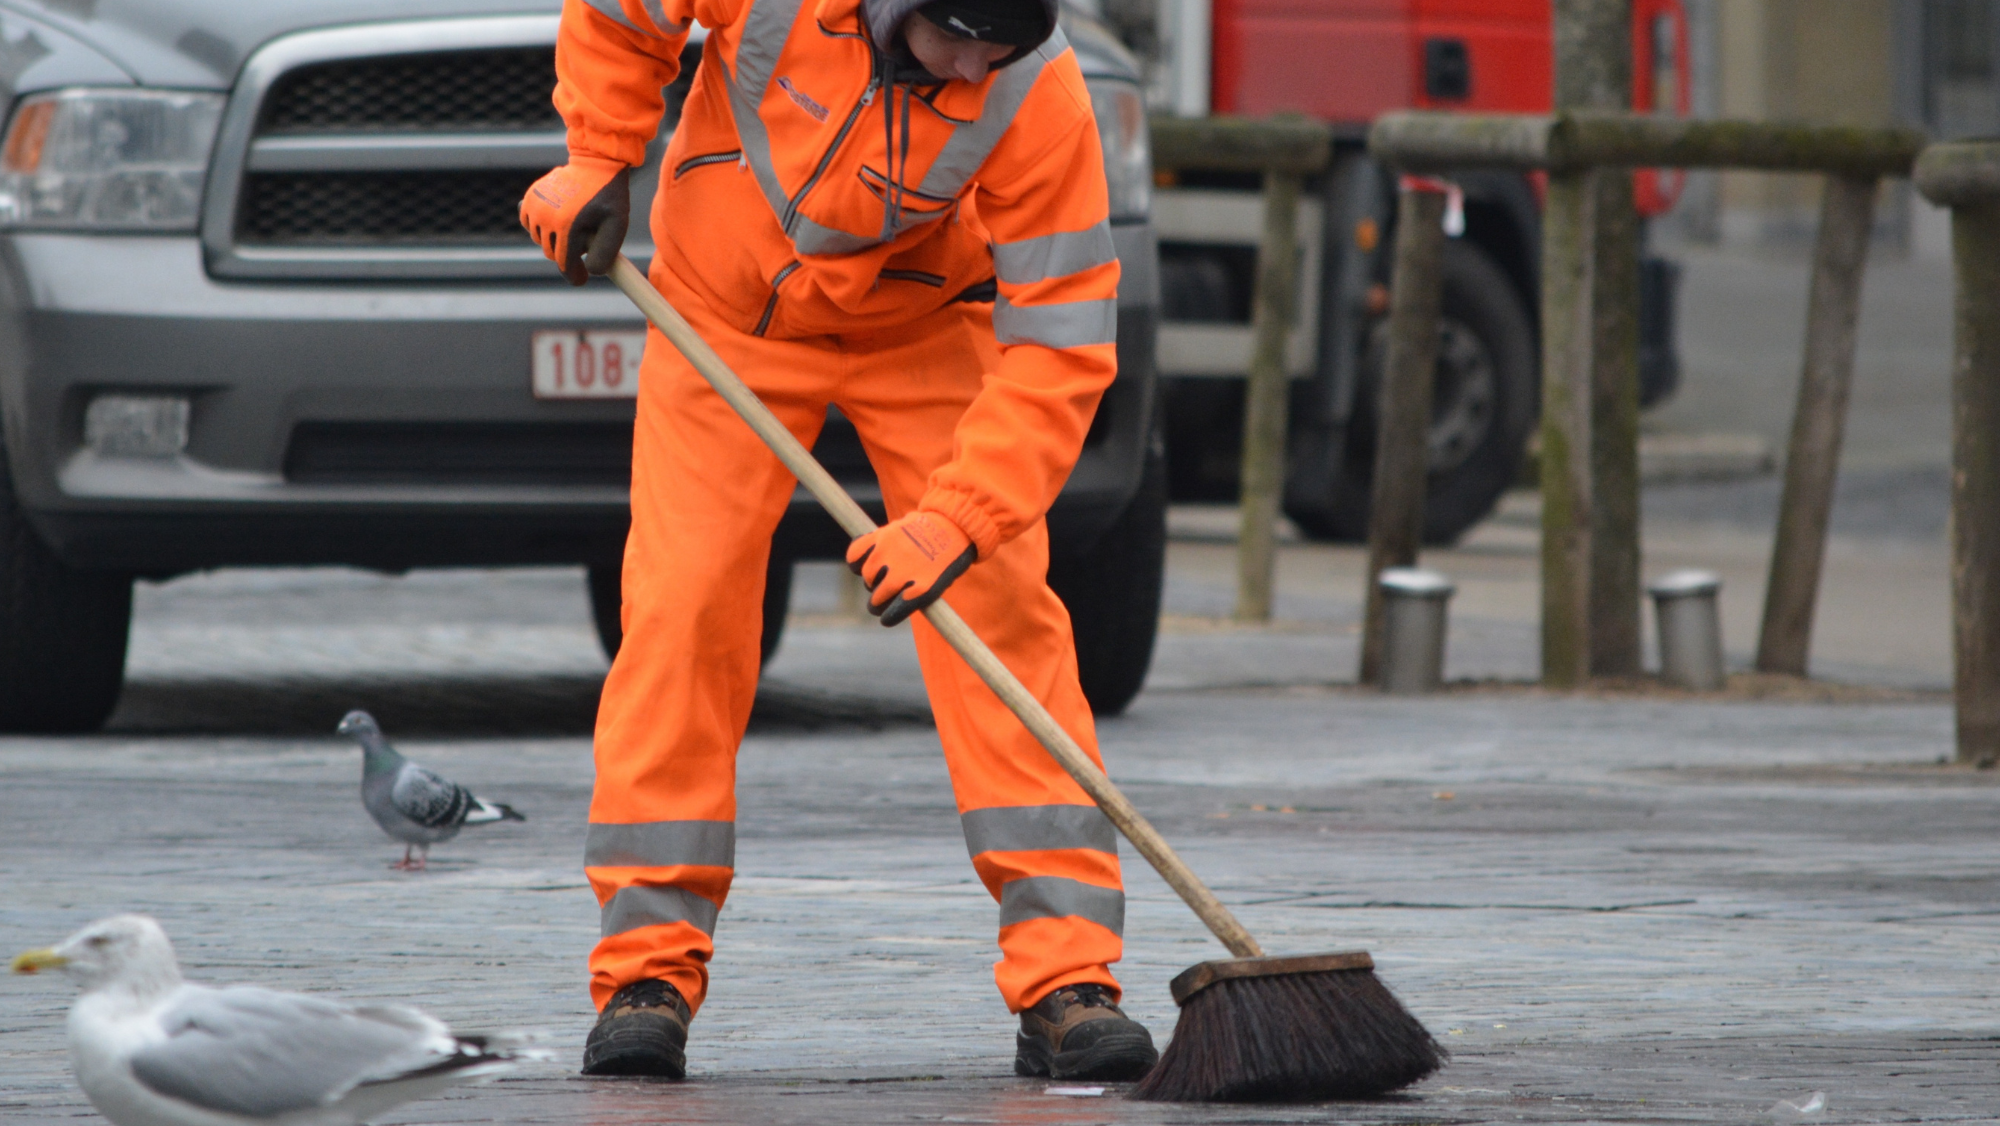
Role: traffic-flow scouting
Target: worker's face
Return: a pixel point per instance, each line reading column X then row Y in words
column 951, row 56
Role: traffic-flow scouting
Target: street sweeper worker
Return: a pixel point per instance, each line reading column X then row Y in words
column 897, row 208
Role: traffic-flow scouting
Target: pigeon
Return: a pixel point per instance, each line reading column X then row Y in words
column 152, row 1050
column 412, row 804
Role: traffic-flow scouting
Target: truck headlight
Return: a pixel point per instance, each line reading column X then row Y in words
column 1128, row 152
column 114, row 159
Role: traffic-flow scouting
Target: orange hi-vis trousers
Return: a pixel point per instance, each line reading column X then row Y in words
column 706, row 495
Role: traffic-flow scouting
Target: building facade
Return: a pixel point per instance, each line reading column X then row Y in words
column 1934, row 64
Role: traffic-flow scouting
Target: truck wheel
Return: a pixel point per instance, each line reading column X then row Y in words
column 1484, row 403
column 1112, row 592
column 607, row 596
column 62, row 632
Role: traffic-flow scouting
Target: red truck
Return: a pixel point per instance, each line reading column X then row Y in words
column 1345, row 62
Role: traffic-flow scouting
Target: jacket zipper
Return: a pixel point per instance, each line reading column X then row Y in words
column 711, row 158
column 826, row 158
column 771, row 306
column 935, row 281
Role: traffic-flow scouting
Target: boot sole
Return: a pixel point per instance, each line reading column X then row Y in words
column 1112, row 1057
column 637, row 1045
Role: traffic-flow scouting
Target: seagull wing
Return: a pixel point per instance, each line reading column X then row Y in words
column 258, row 1053
column 429, row 800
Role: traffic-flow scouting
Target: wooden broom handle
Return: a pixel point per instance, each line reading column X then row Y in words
column 943, row 618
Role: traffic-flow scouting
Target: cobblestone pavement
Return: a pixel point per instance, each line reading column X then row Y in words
column 1626, row 909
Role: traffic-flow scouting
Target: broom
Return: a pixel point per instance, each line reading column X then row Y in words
column 1252, row 1028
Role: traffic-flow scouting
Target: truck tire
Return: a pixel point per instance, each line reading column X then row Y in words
column 1113, row 591
column 63, row 632
column 1485, row 401
column 607, row 598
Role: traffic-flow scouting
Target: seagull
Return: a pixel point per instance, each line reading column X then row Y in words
column 152, row 1050
column 412, row 804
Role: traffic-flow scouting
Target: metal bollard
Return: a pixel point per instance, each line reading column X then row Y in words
column 1684, row 604
column 1413, row 629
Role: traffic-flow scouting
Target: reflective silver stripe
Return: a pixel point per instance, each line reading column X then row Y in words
column 636, row 907
column 1069, row 324
column 809, row 237
column 765, row 31
column 1053, row 256
column 612, row 9
column 1057, row 897
column 1023, row 828
column 661, row 844
column 972, row 143
column 658, row 13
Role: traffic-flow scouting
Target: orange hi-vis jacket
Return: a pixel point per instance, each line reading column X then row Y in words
column 804, row 193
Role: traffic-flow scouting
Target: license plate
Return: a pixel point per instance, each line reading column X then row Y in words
column 587, row 365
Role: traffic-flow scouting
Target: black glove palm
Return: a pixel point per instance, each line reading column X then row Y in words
column 598, row 233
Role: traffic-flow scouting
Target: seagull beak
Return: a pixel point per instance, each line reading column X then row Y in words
column 34, row 961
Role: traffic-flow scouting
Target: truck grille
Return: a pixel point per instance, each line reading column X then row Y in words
column 396, row 150
column 375, row 207
column 450, row 90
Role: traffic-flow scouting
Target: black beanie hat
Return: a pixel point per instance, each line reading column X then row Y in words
column 1015, row 23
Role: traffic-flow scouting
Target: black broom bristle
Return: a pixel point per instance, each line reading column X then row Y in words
column 1336, row 1034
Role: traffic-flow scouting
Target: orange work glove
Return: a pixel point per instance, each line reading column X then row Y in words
column 907, row 563
column 578, row 215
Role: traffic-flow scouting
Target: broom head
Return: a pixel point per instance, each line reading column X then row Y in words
column 1319, row 1026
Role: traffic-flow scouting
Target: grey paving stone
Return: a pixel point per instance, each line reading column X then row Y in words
column 1634, row 910
column 1622, row 911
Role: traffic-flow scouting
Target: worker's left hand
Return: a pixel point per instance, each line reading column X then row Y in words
column 578, row 214
column 907, row 563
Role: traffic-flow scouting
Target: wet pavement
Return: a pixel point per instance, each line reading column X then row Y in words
column 1617, row 907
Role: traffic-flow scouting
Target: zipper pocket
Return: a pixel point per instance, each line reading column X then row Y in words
column 771, row 306
column 878, row 186
column 935, row 281
column 982, row 293
column 712, row 158
column 788, row 221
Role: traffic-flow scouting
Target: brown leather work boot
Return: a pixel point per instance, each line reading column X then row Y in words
column 1077, row 1032
column 643, row 1030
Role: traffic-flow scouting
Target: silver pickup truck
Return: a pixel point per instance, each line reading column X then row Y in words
column 266, row 302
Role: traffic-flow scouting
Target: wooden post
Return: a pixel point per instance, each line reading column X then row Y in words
column 1569, row 259
column 1614, row 433
column 1847, row 215
column 1590, row 601
column 1402, row 453
column 1593, row 48
column 1593, row 55
column 1265, row 396
column 1965, row 176
column 1975, row 478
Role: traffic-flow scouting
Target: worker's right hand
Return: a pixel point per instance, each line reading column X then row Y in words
column 578, row 215
column 907, row 563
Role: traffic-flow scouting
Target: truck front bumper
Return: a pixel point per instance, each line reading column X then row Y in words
column 505, row 478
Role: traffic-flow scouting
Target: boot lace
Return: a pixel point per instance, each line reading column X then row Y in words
column 1091, row 996
column 649, row 994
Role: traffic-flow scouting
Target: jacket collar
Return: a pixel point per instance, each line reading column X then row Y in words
column 842, row 17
